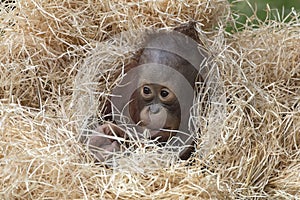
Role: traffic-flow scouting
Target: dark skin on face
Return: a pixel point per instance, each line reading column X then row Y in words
column 153, row 106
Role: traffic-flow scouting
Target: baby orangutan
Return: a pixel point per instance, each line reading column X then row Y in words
column 156, row 93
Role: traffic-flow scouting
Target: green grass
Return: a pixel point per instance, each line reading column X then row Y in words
column 245, row 10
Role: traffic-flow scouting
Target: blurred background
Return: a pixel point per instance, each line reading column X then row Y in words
column 245, row 9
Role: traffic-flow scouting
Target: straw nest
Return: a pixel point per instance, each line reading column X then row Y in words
column 58, row 61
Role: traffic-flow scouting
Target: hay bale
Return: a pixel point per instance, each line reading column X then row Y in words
column 261, row 136
column 253, row 152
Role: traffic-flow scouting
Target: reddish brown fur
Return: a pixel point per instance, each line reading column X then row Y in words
column 152, row 103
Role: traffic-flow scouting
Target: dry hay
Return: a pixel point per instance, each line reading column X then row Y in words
column 43, row 46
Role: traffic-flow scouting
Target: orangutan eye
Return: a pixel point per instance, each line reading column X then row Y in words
column 164, row 93
column 146, row 90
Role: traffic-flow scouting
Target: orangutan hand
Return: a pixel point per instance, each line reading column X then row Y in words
column 102, row 144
